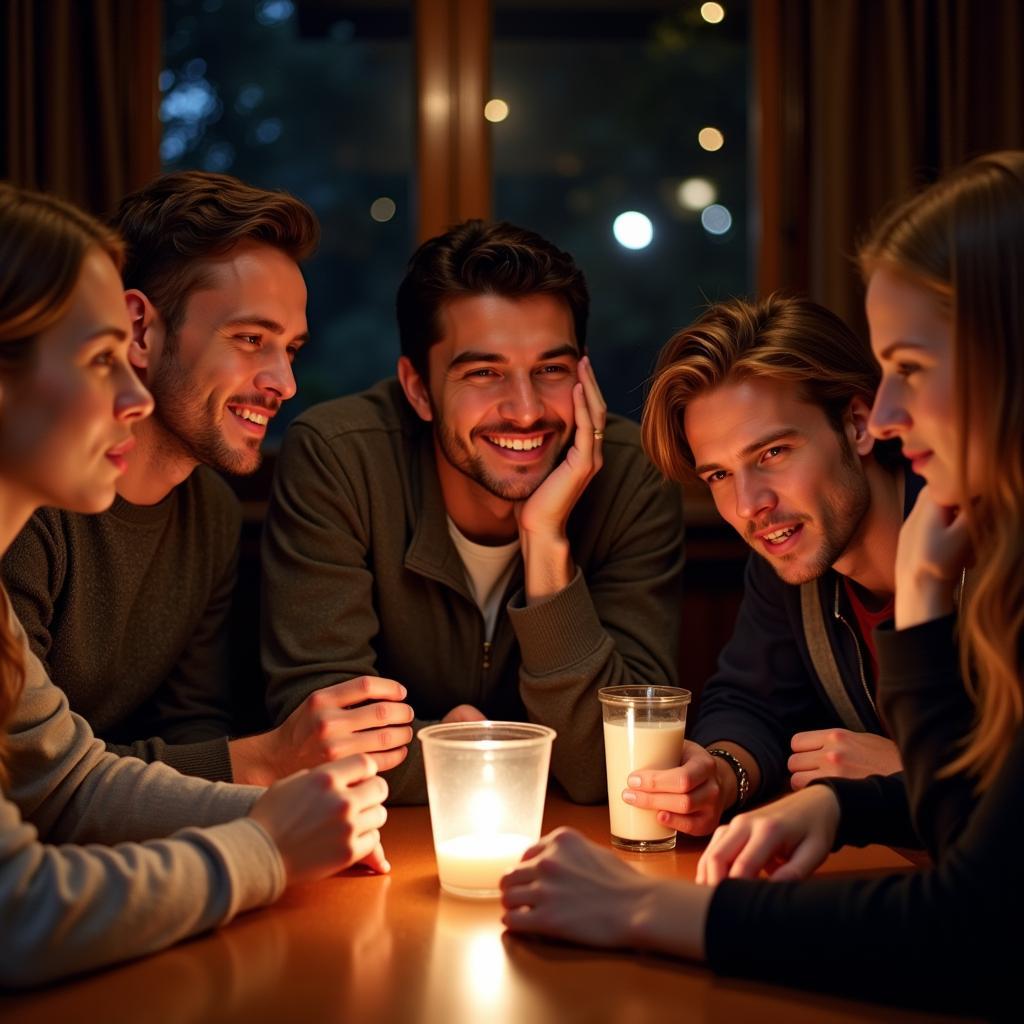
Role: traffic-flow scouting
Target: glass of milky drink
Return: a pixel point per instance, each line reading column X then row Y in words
column 486, row 783
column 643, row 728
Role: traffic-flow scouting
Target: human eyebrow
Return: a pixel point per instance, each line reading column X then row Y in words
column 477, row 357
column 762, row 442
column 118, row 333
column 562, row 350
column 895, row 346
column 268, row 325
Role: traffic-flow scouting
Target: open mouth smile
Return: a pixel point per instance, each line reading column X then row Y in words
column 253, row 420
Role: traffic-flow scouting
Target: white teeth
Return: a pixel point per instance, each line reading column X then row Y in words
column 518, row 444
column 252, row 417
column 779, row 535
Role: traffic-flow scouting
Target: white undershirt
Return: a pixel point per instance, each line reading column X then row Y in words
column 488, row 571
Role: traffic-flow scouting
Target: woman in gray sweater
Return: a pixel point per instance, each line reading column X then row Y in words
column 168, row 856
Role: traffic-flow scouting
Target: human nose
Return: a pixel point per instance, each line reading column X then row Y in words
column 753, row 496
column 132, row 401
column 888, row 417
column 277, row 377
column 520, row 403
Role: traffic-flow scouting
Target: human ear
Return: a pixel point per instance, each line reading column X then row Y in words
column 415, row 388
column 144, row 319
column 858, row 416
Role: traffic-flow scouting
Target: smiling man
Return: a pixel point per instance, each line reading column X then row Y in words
column 478, row 528
column 128, row 609
column 768, row 404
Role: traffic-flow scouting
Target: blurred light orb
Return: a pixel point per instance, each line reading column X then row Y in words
column 633, row 230
column 382, row 209
column 495, row 111
column 696, row 193
column 712, row 13
column 715, row 219
column 710, row 139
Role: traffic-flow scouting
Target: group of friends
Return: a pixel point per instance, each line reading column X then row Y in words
column 479, row 538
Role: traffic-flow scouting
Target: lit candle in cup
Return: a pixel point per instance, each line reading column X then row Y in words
column 486, row 783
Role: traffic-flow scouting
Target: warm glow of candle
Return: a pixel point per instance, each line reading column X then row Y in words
column 478, row 861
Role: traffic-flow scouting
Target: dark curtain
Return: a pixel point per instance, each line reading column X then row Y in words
column 79, row 102
column 861, row 101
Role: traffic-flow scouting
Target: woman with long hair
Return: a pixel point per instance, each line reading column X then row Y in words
column 945, row 304
column 68, row 400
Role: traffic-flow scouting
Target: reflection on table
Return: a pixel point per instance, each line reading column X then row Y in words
column 360, row 949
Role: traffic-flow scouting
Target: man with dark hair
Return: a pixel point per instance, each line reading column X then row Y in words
column 128, row 609
column 768, row 404
column 479, row 528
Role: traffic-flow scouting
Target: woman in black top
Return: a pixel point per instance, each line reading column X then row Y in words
column 945, row 304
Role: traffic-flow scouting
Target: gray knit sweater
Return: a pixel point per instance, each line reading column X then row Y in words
column 70, row 908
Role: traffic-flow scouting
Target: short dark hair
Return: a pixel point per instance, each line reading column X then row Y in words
column 474, row 258
column 178, row 221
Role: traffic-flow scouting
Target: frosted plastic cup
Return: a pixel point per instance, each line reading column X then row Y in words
column 643, row 728
column 486, row 783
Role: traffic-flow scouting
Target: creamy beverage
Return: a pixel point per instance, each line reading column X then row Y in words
column 631, row 746
column 477, row 862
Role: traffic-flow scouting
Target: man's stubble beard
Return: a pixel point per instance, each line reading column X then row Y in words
column 189, row 425
column 462, row 458
column 841, row 519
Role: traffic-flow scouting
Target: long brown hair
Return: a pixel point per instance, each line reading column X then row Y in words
column 963, row 238
column 43, row 242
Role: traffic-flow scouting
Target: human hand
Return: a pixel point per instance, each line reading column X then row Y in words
column 325, row 820
column 839, row 753
column 359, row 716
column 546, row 512
column 464, row 713
column 934, row 547
column 567, row 887
column 689, row 798
column 787, row 839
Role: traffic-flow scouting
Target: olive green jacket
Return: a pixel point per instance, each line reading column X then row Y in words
column 360, row 577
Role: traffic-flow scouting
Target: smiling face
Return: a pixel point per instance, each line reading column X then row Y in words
column 66, row 418
column 780, row 475
column 912, row 338
column 223, row 376
column 500, row 390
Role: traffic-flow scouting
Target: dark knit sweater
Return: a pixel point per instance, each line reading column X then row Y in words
column 128, row 610
column 941, row 937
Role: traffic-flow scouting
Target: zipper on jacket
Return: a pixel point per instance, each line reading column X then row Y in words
column 860, row 657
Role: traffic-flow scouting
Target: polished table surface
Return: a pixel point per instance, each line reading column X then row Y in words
column 360, row 949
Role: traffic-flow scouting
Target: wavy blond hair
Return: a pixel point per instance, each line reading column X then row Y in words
column 963, row 238
column 43, row 242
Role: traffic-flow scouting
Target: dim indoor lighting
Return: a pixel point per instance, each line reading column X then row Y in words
column 696, row 193
column 496, row 111
column 633, row 230
column 712, row 13
column 710, row 139
column 382, row 209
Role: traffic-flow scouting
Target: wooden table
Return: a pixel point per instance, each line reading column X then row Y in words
column 362, row 949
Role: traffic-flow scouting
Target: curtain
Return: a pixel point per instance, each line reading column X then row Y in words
column 860, row 102
column 79, row 104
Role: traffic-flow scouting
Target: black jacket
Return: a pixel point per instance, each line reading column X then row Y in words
column 945, row 937
column 766, row 688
